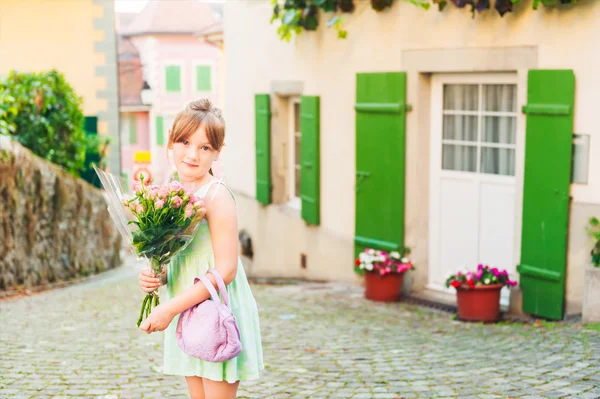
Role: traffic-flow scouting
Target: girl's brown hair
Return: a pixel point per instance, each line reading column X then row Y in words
column 199, row 113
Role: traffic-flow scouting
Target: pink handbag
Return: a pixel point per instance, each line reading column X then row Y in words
column 208, row 330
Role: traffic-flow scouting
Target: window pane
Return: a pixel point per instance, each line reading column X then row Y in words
column 460, row 127
column 461, row 97
column 297, row 185
column 500, row 98
column 297, row 150
column 580, row 159
column 499, row 129
column 459, row 157
column 296, row 117
column 203, row 78
column 498, row 161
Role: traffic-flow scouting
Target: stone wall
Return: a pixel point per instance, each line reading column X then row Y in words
column 53, row 226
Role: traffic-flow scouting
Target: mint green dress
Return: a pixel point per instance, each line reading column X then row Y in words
column 194, row 261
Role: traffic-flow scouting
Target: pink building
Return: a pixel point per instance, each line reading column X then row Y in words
column 162, row 49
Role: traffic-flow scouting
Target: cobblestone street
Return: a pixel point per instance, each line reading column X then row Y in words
column 320, row 341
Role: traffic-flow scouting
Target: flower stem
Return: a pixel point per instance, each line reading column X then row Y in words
column 142, row 311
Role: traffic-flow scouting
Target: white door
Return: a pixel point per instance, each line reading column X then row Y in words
column 473, row 184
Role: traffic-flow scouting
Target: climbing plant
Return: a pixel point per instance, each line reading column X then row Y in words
column 295, row 16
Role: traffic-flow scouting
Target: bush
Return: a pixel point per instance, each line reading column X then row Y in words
column 43, row 112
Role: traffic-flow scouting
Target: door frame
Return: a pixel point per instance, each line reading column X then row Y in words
column 435, row 161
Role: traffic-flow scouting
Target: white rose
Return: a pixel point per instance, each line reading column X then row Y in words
column 486, row 281
column 371, row 252
column 394, row 254
column 369, row 266
column 404, row 260
column 363, row 257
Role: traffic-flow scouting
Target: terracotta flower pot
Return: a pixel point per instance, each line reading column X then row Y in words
column 481, row 303
column 386, row 288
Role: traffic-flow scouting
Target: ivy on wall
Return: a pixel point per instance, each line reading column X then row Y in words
column 296, row 16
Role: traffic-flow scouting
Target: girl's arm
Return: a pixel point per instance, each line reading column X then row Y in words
column 222, row 223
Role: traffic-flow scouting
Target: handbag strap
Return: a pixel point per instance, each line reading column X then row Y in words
column 210, row 288
column 221, row 285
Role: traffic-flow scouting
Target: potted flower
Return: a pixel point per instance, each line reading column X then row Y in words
column 478, row 293
column 591, row 299
column 384, row 273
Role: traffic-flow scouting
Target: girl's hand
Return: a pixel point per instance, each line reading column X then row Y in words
column 147, row 281
column 159, row 319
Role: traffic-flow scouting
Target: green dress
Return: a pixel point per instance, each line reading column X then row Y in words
column 194, row 261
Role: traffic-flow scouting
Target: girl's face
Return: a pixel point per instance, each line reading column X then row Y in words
column 194, row 156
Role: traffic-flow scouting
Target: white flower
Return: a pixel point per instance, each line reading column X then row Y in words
column 363, row 257
column 369, row 266
column 404, row 260
column 371, row 252
column 381, row 258
column 486, row 281
column 362, row 266
column 394, row 254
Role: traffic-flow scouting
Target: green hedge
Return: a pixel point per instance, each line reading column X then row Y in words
column 43, row 112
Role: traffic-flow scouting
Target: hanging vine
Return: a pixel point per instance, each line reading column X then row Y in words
column 296, row 16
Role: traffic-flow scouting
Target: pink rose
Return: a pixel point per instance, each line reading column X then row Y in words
column 163, row 192
column 176, row 201
column 189, row 211
column 175, row 186
column 137, row 185
column 198, row 203
column 139, row 208
column 159, row 204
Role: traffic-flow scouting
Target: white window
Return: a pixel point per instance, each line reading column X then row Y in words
column 479, row 128
column 295, row 137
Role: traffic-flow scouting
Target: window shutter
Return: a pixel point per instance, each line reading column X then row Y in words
column 380, row 160
column 203, row 78
column 548, row 141
column 309, row 159
column 173, row 78
column 262, row 106
column 160, row 131
column 132, row 129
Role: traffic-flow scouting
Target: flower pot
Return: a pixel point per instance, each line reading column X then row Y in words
column 481, row 303
column 591, row 296
column 386, row 288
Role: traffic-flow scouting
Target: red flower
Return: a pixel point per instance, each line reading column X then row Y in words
column 471, row 283
column 455, row 284
column 357, row 262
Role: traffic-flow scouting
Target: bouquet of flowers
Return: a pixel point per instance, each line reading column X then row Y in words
column 383, row 262
column 483, row 276
column 156, row 221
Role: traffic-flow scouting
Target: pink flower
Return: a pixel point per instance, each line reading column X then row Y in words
column 159, row 204
column 176, row 201
column 163, row 192
column 139, row 208
column 175, row 186
column 137, row 185
column 153, row 192
column 198, row 203
column 189, row 210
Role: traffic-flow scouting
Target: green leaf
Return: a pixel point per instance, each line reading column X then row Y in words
column 333, row 21
column 291, row 17
column 342, row 34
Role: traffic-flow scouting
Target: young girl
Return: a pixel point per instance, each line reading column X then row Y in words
column 196, row 140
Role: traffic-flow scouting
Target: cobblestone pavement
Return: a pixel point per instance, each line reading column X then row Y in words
column 320, row 341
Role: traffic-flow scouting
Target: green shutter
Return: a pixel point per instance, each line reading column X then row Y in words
column 380, row 160
column 263, row 148
column 90, row 124
column 309, row 159
column 132, row 129
column 160, row 131
column 548, row 139
column 203, row 78
column 173, row 77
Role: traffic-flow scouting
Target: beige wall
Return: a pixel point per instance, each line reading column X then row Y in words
column 405, row 38
column 77, row 39
column 37, row 35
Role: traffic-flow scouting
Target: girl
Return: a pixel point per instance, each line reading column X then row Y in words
column 196, row 139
